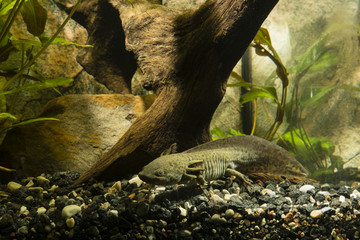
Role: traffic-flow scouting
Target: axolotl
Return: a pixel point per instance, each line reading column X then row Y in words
column 235, row 156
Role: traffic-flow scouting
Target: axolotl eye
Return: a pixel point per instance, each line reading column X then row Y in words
column 159, row 173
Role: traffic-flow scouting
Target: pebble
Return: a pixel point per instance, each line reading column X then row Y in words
column 70, row 211
column 70, row 222
column 12, row 186
column 306, row 188
column 41, row 210
column 220, row 211
column 316, row 214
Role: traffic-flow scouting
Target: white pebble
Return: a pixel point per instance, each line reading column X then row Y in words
column 306, row 188
column 12, row 186
column 114, row 212
column 325, row 193
column 136, row 180
column 52, row 203
column 42, row 180
column 316, row 214
column 325, row 209
column 342, row 198
column 30, row 183
column 228, row 196
column 70, row 222
column 229, row 213
column 217, row 217
column 269, row 192
column 41, row 210
column 70, row 211
column 355, row 194
column 160, row 189
column 24, row 210
column 183, row 211
column 216, row 198
column 187, row 205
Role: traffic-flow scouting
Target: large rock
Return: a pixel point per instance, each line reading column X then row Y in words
column 89, row 126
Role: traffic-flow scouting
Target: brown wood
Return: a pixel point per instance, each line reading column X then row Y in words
column 186, row 57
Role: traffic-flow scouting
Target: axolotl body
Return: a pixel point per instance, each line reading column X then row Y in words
column 237, row 156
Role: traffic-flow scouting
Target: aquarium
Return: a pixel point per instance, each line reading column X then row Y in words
column 167, row 119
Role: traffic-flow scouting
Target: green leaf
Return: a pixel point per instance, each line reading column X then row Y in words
column 61, row 41
column 311, row 56
column 263, row 37
column 5, row 116
column 49, row 83
column 263, row 92
column 34, row 16
column 217, row 133
column 327, row 60
column 25, row 44
column 233, row 132
column 318, row 97
column 34, row 120
column 6, row 6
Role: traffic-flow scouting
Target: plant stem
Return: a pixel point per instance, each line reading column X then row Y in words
column 46, row 45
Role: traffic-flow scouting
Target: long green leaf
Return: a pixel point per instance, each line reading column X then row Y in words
column 34, row 120
column 40, row 85
column 256, row 93
column 62, row 41
column 25, row 44
column 34, row 16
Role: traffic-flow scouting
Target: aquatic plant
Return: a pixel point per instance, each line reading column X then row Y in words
column 316, row 154
column 19, row 77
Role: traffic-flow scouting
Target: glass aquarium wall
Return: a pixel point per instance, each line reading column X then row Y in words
column 316, row 115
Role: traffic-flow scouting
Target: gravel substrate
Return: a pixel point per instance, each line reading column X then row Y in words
column 48, row 207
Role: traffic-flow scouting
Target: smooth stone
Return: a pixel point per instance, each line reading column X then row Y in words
column 41, row 210
column 12, row 186
column 306, row 188
column 183, row 211
column 316, row 214
column 136, row 180
column 70, row 222
column 268, row 192
column 229, row 213
column 42, row 180
column 70, row 211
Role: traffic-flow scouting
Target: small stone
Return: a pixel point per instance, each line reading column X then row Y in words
column 41, row 210
column 229, row 213
column 30, row 183
column 316, row 214
column 342, row 198
column 12, row 186
column 114, row 213
column 217, row 218
column 52, row 203
column 23, row 230
column 325, row 187
column 70, row 222
column 268, row 192
column 42, row 180
column 70, row 211
column 228, row 196
column 355, row 194
column 116, row 187
column 183, row 211
column 185, row 233
column 24, row 210
column 325, row 209
column 136, row 180
column 307, row 187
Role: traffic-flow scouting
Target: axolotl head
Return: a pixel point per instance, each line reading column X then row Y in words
column 165, row 170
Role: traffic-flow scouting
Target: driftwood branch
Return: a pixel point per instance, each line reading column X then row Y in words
column 186, row 57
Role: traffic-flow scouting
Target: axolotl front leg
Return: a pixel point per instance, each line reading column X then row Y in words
column 200, row 172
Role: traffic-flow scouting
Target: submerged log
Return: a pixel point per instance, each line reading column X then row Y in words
column 186, row 57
